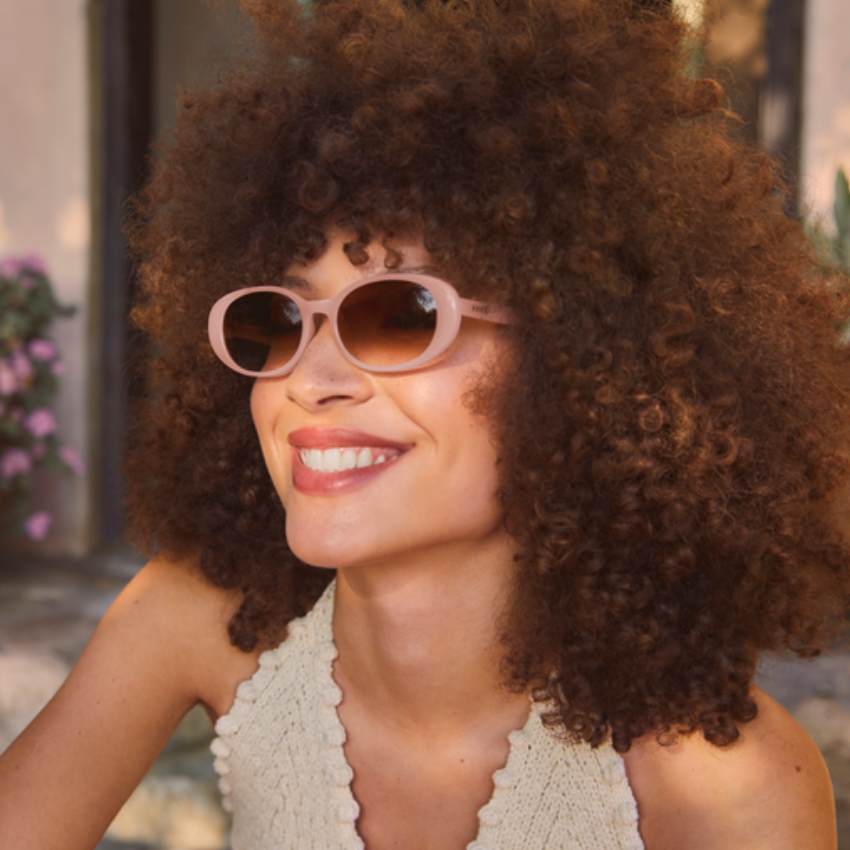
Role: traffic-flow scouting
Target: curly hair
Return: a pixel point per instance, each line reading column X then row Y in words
column 673, row 430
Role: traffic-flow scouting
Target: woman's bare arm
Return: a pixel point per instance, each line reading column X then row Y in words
column 161, row 648
column 770, row 790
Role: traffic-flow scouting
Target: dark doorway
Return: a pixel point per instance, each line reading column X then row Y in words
column 122, row 34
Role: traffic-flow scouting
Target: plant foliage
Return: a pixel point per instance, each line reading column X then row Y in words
column 30, row 367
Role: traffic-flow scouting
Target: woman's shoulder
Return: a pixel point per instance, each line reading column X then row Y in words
column 171, row 603
column 769, row 789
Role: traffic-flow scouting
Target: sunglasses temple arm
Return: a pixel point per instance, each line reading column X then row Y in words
column 486, row 312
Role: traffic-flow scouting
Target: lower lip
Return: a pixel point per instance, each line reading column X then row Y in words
column 313, row 483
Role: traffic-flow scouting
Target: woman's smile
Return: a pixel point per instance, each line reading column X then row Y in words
column 328, row 461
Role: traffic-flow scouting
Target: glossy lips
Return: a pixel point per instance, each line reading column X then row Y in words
column 334, row 460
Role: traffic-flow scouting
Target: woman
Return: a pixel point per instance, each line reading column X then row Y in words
column 523, row 354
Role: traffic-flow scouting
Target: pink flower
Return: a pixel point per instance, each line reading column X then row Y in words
column 14, row 462
column 42, row 349
column 14, row 266
column 8, row 381
column 57, row 367
column 9, row 266
column 21, row 366
column 72, row 459
column 26, row 282
column 40, row 422
column 33, row 263
column 38, row 524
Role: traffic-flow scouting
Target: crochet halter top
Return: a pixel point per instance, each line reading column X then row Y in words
column 284, row 775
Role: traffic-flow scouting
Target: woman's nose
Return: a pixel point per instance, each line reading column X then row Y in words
column 323, row 376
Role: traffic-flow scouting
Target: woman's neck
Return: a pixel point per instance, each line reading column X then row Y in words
column 419, row 643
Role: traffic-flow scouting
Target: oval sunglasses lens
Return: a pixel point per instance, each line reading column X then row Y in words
column 387, row 322
column 262, row 330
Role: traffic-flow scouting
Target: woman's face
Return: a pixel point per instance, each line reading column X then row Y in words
column 434, row 492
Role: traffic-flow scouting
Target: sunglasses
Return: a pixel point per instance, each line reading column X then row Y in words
column 382, row 323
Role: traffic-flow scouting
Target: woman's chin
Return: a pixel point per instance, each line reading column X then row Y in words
column 318, row 549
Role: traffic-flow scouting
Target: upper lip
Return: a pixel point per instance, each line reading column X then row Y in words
column 331, row 438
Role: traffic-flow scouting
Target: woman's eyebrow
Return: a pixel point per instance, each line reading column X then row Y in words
column 298, row 283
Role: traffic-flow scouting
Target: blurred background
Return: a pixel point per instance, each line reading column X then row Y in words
column 87, row 87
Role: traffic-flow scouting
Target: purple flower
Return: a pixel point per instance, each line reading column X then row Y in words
column 72, row 459
column 38, row 524
column 21, row 366
column 14, row 462
column 8, row 381
column 33, row 263
column 9, row 266
column 40, row 422
column 57, row 367
column 13, row 266
column 42, row 349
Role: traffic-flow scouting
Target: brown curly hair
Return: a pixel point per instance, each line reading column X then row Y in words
column 673, row 434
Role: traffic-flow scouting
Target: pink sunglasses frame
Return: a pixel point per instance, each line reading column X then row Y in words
column 451, row 308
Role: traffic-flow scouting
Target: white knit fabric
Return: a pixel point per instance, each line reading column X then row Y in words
column 279, row 753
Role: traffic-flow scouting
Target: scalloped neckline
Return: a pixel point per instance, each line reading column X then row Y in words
column 514, row 737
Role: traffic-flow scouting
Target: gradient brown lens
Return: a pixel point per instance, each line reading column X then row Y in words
column 262, row 330
column 388, row 322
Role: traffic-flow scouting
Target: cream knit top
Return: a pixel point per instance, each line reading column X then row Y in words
column 279, row 753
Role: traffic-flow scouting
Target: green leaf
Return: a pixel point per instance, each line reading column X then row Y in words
column 842, row 202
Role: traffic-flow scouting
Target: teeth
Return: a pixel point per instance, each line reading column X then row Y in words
column 338, row 460
column 332, row 460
